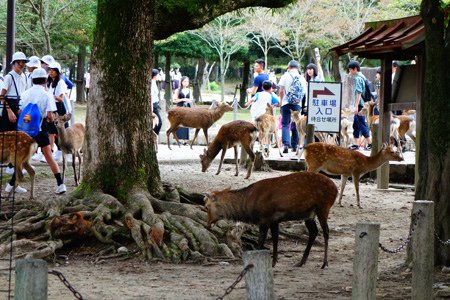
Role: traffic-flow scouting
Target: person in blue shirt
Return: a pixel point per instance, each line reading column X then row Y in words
column 359, row 122
column 260, row 77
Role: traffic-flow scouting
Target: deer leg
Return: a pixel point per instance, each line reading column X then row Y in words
column 251, row 156
column 168, row 137
column 205, row 132
column 275, row 133
column 64, row 166
column 79, row 165
column 236, row 160
column 322, row 216
column 274, row 231
column 32, row 173
column 356, row 182
column 341, row 193
column 224, row 150
column 74, row 168
column 313, row 231
column 263, row 229
column 195, row 136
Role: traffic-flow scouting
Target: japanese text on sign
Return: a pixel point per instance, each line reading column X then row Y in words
column 324, row 106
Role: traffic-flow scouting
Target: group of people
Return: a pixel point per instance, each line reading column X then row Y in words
column 261, row 95
column 39, row 81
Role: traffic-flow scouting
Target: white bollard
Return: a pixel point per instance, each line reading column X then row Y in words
column 259, row 279
column 31, row 279
column 422, row 245
column 365, row 261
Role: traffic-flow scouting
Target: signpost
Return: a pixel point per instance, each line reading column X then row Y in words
column 324, row 106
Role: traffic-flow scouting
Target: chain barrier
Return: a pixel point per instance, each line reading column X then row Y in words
column 238, row 105
column 415, row 219
column 67, row 284
column 238, row 279
column 445, row 243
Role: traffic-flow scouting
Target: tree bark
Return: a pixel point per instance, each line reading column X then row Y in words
column 80, row 74
column 199, row 79
column 434, row 139
column 245, row 77
column 119, row 143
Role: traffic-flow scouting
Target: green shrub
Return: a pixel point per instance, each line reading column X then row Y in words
column 213, row 86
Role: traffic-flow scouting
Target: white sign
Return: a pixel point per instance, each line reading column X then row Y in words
column 324, row 106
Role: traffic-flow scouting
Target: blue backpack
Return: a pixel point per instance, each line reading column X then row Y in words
column 30, row 120
column 295, row 93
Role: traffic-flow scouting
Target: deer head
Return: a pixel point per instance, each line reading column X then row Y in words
column 205, row 160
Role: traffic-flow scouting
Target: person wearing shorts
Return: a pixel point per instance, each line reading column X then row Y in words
column 37, row 94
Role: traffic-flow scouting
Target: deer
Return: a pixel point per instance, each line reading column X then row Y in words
column 195, row 117
column 335, row 160
column 300, row 123
column 345, row 124
column 267, row 124
column 71, row 141
column 297, row 196
column 17, row 147
column 404, row 125
column 231, row 135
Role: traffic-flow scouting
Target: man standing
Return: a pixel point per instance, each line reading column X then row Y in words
column 286, row 81
column 259, row 78
column 359, row 122
column 154, row 92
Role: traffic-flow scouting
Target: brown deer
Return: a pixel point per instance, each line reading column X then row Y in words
column 266, row 125
column 336, row 160
column 71, row 141
column 298, row 196
column 231, row 135
column 17, row 147
column 345, row 125
column 196, row 117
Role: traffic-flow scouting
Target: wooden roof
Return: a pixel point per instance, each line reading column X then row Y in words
column 400, row 38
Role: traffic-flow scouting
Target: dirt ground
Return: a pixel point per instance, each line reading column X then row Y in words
column 133, row 278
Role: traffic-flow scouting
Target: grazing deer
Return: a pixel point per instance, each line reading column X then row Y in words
column 298, row 196
column 404, row 125
column 266, row 125
column 195, row 117
column 336, row 160
column 231, row 135
column 17, row 148
column 71, row 141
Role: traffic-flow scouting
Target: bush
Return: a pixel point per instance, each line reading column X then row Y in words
column 213, row 86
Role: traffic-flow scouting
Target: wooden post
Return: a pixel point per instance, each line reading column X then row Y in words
column 259, row 279
column 422, row 242
column 365, row 262
column 309, row 134
column 31, row 279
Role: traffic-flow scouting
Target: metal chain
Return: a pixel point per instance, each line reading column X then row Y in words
column 415, row 219
column 238, row 279
column 66, row 283
column 238, row 105
column 445, row 243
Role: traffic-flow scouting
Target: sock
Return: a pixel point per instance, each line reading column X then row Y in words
column 59, row 179
column 13, row 179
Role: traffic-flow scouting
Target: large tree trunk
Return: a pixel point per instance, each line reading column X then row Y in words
column 119, row 143
column 199, row 79
column 80, row 74
column 434, row 139
column 245, row 79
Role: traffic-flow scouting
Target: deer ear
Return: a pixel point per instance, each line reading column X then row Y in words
column 204, row 151
column 384, row 146
column 67, row 117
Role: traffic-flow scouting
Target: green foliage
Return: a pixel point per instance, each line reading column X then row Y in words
column 184, row 44
column 213, row 86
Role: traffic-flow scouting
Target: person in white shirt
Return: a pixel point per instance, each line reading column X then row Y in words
column 37, row 94
column 33, row 63
column 57, row 89
column 155, row 99
column 285, row 84
column 261, row 99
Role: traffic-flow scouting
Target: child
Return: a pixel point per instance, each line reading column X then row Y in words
column 261, row 99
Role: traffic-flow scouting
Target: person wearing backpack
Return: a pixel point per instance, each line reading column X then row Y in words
column 359, row 122
column 292, row 89
column 37, row 97
column 15, row 83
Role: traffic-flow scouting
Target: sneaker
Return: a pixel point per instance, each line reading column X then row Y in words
column 57, row 156
column 294, row 149
column 369, row 147
column 9, row 171
column 286, row 150
column 353, row 147
column 19, row 189
column 38, row 157
column 60, row 189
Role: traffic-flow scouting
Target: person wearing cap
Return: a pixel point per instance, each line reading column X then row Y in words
column 259, row 78
column 38, row 94
column 359, row 122
column 48, row 60
column 285, row 83
column 56, row 88
column 33, row 63
column 154, row 93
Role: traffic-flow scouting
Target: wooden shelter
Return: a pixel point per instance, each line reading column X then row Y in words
column 389, row 40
